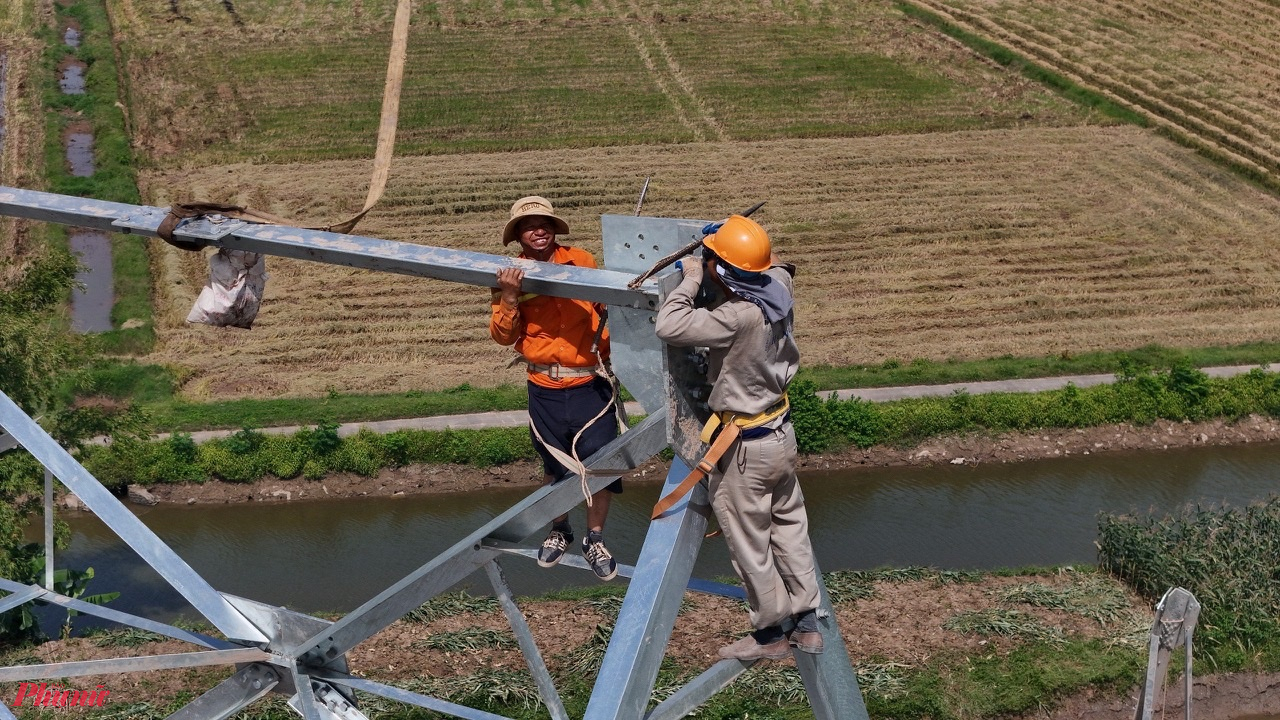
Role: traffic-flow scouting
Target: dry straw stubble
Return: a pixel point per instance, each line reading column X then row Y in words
column 968, row 245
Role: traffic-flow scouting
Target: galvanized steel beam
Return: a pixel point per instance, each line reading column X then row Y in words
column 199, row 658
column 21, row 596
column 246, row 686
column 690, row 697
column 648, row 614
column 472, row 268
column 524, row 638
column 829, row 678
column 125, row 524
column 412, row 698
column 107, row 613
column 517, row 523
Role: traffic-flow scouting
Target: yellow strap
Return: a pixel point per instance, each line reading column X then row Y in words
column 390, row 116
column 709, row 430
column 745, row 421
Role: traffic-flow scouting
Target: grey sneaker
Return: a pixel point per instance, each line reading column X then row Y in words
column 598, row 557
column 553, row 547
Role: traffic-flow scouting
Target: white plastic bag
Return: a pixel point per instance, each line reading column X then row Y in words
column 233, row 294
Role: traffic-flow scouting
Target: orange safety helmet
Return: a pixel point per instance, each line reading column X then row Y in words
column 742, row 243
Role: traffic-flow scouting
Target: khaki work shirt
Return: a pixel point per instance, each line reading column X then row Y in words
column 751, row 363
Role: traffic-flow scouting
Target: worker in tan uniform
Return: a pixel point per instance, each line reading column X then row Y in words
column 754, row 491
column 563, row 342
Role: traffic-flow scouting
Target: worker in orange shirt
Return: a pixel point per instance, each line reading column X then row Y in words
column 563, row 343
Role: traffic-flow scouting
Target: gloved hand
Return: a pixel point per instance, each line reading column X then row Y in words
column 691, row 270
column 711, row 228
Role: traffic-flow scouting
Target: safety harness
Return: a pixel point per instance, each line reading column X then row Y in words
column 731, row 427
column 601, row 369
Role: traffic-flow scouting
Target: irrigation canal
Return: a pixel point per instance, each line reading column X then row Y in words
column 332, row 555
column 91, row 302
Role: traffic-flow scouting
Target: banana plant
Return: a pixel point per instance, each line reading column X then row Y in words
column 66, row 581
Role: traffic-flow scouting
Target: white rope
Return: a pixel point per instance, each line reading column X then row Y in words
column 571, row 461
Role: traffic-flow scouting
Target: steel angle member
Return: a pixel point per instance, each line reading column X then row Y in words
column 106, row 613
column 633, row 245
column 228, row 697
column 64, row 209
column 472, row 268
column 411, row 698
column 80, row 668
column 524, row 638
column 467, row 555
column 643, row 628
column 125, row 524
column 688, row 698
column 829, row 678
column 21, row 596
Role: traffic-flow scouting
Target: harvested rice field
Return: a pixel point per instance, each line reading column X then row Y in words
column 1207, row 72
column 939, row 205
column 205, row 90
column 970, row 245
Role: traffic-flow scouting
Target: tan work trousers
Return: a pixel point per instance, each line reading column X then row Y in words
column 758, row 502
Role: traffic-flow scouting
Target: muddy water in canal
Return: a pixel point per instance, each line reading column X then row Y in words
column 90, row 304
column 334, row 555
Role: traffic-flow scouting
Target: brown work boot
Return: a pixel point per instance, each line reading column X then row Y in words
column 748, row 649
column 810, row 642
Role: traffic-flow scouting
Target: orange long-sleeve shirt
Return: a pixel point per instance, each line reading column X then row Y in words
column 550, row 330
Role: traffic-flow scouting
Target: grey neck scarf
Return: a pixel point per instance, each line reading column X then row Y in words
column 762, row 291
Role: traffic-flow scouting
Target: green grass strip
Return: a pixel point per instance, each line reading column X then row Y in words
column 1140, row 396
column 894, row 373
column 1003, row 55
column 154, row 387
column 171, row 415
column 114, row 178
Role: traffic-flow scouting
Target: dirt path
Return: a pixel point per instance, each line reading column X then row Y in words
column 969, row 449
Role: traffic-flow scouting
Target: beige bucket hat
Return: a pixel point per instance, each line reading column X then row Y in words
column 532, row 205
